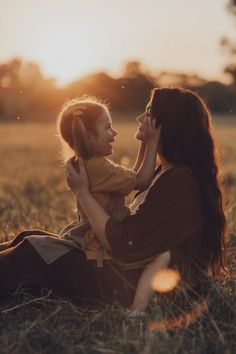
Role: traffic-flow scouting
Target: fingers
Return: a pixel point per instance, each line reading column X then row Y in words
column 81, row 163
column 153, row 123
column 81, row 166
column 69, row 171
column 149, row 124
column 70, row 168
column 70, row 161
column 146, row 124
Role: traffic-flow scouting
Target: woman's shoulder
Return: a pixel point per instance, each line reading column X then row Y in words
column 180, row 170
column 178, row 177
column 179, row 173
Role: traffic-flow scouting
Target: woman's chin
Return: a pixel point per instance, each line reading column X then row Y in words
column 139, row 135
column 109, row 152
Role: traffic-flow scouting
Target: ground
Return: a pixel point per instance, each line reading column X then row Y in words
column 33, row 194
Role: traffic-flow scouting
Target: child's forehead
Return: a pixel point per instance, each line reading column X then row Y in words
column 105, row 118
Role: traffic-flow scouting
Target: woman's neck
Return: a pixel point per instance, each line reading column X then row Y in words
column 165, row 165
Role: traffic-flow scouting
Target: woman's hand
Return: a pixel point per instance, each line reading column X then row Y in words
column 79, row 183
column 77, row 180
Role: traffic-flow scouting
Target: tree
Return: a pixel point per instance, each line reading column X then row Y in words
column 229, row 46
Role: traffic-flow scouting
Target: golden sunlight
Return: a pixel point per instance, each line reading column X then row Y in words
column 72, row 38
column 66, row 58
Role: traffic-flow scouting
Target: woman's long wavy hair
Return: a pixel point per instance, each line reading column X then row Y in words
column 186, row 139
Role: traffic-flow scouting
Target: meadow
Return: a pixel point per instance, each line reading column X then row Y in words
column 33, row 194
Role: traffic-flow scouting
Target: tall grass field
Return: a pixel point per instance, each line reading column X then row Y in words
column 33, row 194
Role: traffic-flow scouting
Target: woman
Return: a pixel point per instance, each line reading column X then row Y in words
column 181, row 212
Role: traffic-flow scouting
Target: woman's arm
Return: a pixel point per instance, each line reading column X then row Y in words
column 170, row 214
column 96, row 215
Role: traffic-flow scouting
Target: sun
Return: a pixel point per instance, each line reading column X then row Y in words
column 64, row 58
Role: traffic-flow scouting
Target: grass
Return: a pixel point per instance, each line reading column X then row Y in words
column 33, row 194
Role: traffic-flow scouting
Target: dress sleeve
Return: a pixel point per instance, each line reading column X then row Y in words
column 106, row 176
column 170, row 214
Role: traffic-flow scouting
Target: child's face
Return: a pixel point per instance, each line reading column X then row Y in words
column 102, row 143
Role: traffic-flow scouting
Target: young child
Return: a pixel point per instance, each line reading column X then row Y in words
column 85, row 128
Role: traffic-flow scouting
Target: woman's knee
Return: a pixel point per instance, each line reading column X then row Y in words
column 22, row 235
column 4, row 245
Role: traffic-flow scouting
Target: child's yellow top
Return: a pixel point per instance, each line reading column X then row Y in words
column 109, row 184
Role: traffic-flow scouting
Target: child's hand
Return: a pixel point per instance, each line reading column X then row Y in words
column 151, row 133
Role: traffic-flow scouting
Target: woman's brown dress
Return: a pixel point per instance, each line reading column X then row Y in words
column 170, row 218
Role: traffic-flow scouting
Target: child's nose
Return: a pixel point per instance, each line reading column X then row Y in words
column 114, row 132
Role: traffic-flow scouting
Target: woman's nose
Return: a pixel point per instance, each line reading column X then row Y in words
column 140, row 118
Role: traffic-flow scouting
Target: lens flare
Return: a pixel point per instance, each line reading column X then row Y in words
column 182, row 321
column 165, row 280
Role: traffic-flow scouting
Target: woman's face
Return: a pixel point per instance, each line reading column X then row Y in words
column 140, row 134
column 102, row 143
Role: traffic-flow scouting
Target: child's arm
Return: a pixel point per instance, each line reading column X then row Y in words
column 140, row 156
column 144, row 291
column 147, row 167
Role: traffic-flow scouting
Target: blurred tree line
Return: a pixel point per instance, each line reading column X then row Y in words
column 25, row 93
column 229, row 46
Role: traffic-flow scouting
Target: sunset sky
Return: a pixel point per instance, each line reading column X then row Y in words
column 70, row 38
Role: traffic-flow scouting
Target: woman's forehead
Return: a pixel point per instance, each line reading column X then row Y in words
column 149, row 105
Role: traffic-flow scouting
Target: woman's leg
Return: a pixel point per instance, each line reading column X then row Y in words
column 21, row 265
column 116, row 283
column 21, row 236
column 71, row 275
column 4, row 245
